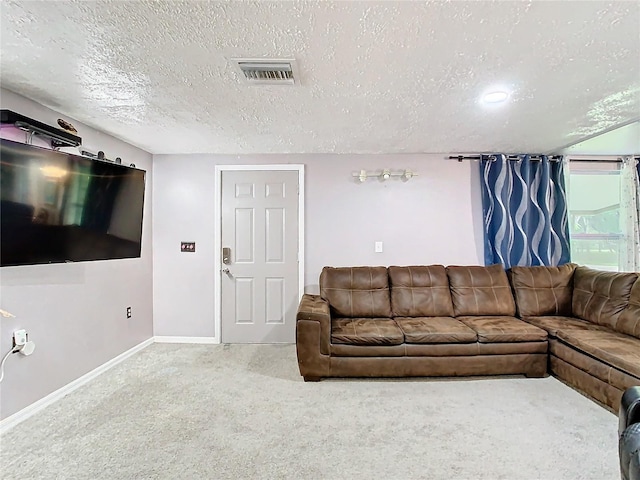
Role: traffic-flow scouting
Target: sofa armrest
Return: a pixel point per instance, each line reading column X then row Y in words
column 315, row 308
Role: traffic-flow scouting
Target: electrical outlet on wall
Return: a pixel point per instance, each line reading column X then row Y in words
column 19, row 338
column 128, row 312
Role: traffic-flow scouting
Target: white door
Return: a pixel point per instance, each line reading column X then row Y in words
column 259, row 277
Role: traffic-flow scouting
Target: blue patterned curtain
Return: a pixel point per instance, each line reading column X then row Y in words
column 525, row 211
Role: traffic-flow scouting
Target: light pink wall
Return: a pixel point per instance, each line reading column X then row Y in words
column 426, row 220
column 184, row 195
column 433, row 218
column 75, row 313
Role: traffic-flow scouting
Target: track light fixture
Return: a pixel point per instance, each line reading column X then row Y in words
column 384, row 175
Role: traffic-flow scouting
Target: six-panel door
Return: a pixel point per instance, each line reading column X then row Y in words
column 259, row 282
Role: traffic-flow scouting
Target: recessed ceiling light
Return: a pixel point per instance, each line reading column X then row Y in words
column 495, row 97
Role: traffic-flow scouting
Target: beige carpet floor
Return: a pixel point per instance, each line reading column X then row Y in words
column 240, row 412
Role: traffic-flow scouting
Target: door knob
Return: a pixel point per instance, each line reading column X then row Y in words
column 227, row 271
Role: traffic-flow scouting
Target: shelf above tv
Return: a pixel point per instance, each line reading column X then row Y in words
column 58, row 137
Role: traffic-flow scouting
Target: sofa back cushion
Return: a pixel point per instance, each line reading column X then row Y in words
column 543, row 290
column 479, row 290
column 600, row 297
column 420, row 291
column 356, row 291
column 629, row 321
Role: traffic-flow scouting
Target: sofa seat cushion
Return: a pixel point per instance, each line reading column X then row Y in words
column 503, row 329
column 553, row 323
column 480, row 290
column 366, row 331
column 420, row 291
column 435, row 330
column 615, row 349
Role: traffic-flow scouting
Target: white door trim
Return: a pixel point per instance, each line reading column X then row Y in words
column 217, row 212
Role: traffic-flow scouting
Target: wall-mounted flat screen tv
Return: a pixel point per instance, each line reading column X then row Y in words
column 57, row 207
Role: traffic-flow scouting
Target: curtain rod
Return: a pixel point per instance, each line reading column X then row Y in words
column 553, row 158
column 513, row 158
column 602, row 158
column 594, row 160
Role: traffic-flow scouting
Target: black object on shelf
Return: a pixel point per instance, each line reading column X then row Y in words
column 59, row 138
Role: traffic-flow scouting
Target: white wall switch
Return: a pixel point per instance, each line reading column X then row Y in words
column 378, row 247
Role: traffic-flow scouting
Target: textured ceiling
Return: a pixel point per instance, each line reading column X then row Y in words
column 376, row 77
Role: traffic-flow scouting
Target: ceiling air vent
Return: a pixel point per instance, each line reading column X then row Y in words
column 267, row 71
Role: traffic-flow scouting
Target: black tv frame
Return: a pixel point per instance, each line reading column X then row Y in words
column 30, row 243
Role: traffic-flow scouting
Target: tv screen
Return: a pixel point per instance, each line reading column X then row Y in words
column 57, row 207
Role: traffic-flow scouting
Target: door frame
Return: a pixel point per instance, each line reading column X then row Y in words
column 217, row 261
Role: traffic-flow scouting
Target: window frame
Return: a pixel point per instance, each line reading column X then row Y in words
column 594, row 166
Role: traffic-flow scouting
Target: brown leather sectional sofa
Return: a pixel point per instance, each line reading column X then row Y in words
column 471, row 320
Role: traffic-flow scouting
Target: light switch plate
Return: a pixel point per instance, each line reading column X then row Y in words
column 188, row 247
column 378, row 247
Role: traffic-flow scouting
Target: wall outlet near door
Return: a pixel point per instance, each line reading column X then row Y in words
column 128, row 312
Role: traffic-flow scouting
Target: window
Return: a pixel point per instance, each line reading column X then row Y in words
column 595, row 223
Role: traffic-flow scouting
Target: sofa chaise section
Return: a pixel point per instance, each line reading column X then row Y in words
column 593, row 322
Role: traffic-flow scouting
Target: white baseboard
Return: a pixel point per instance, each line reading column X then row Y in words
column 13, row 420
column 166, row 339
